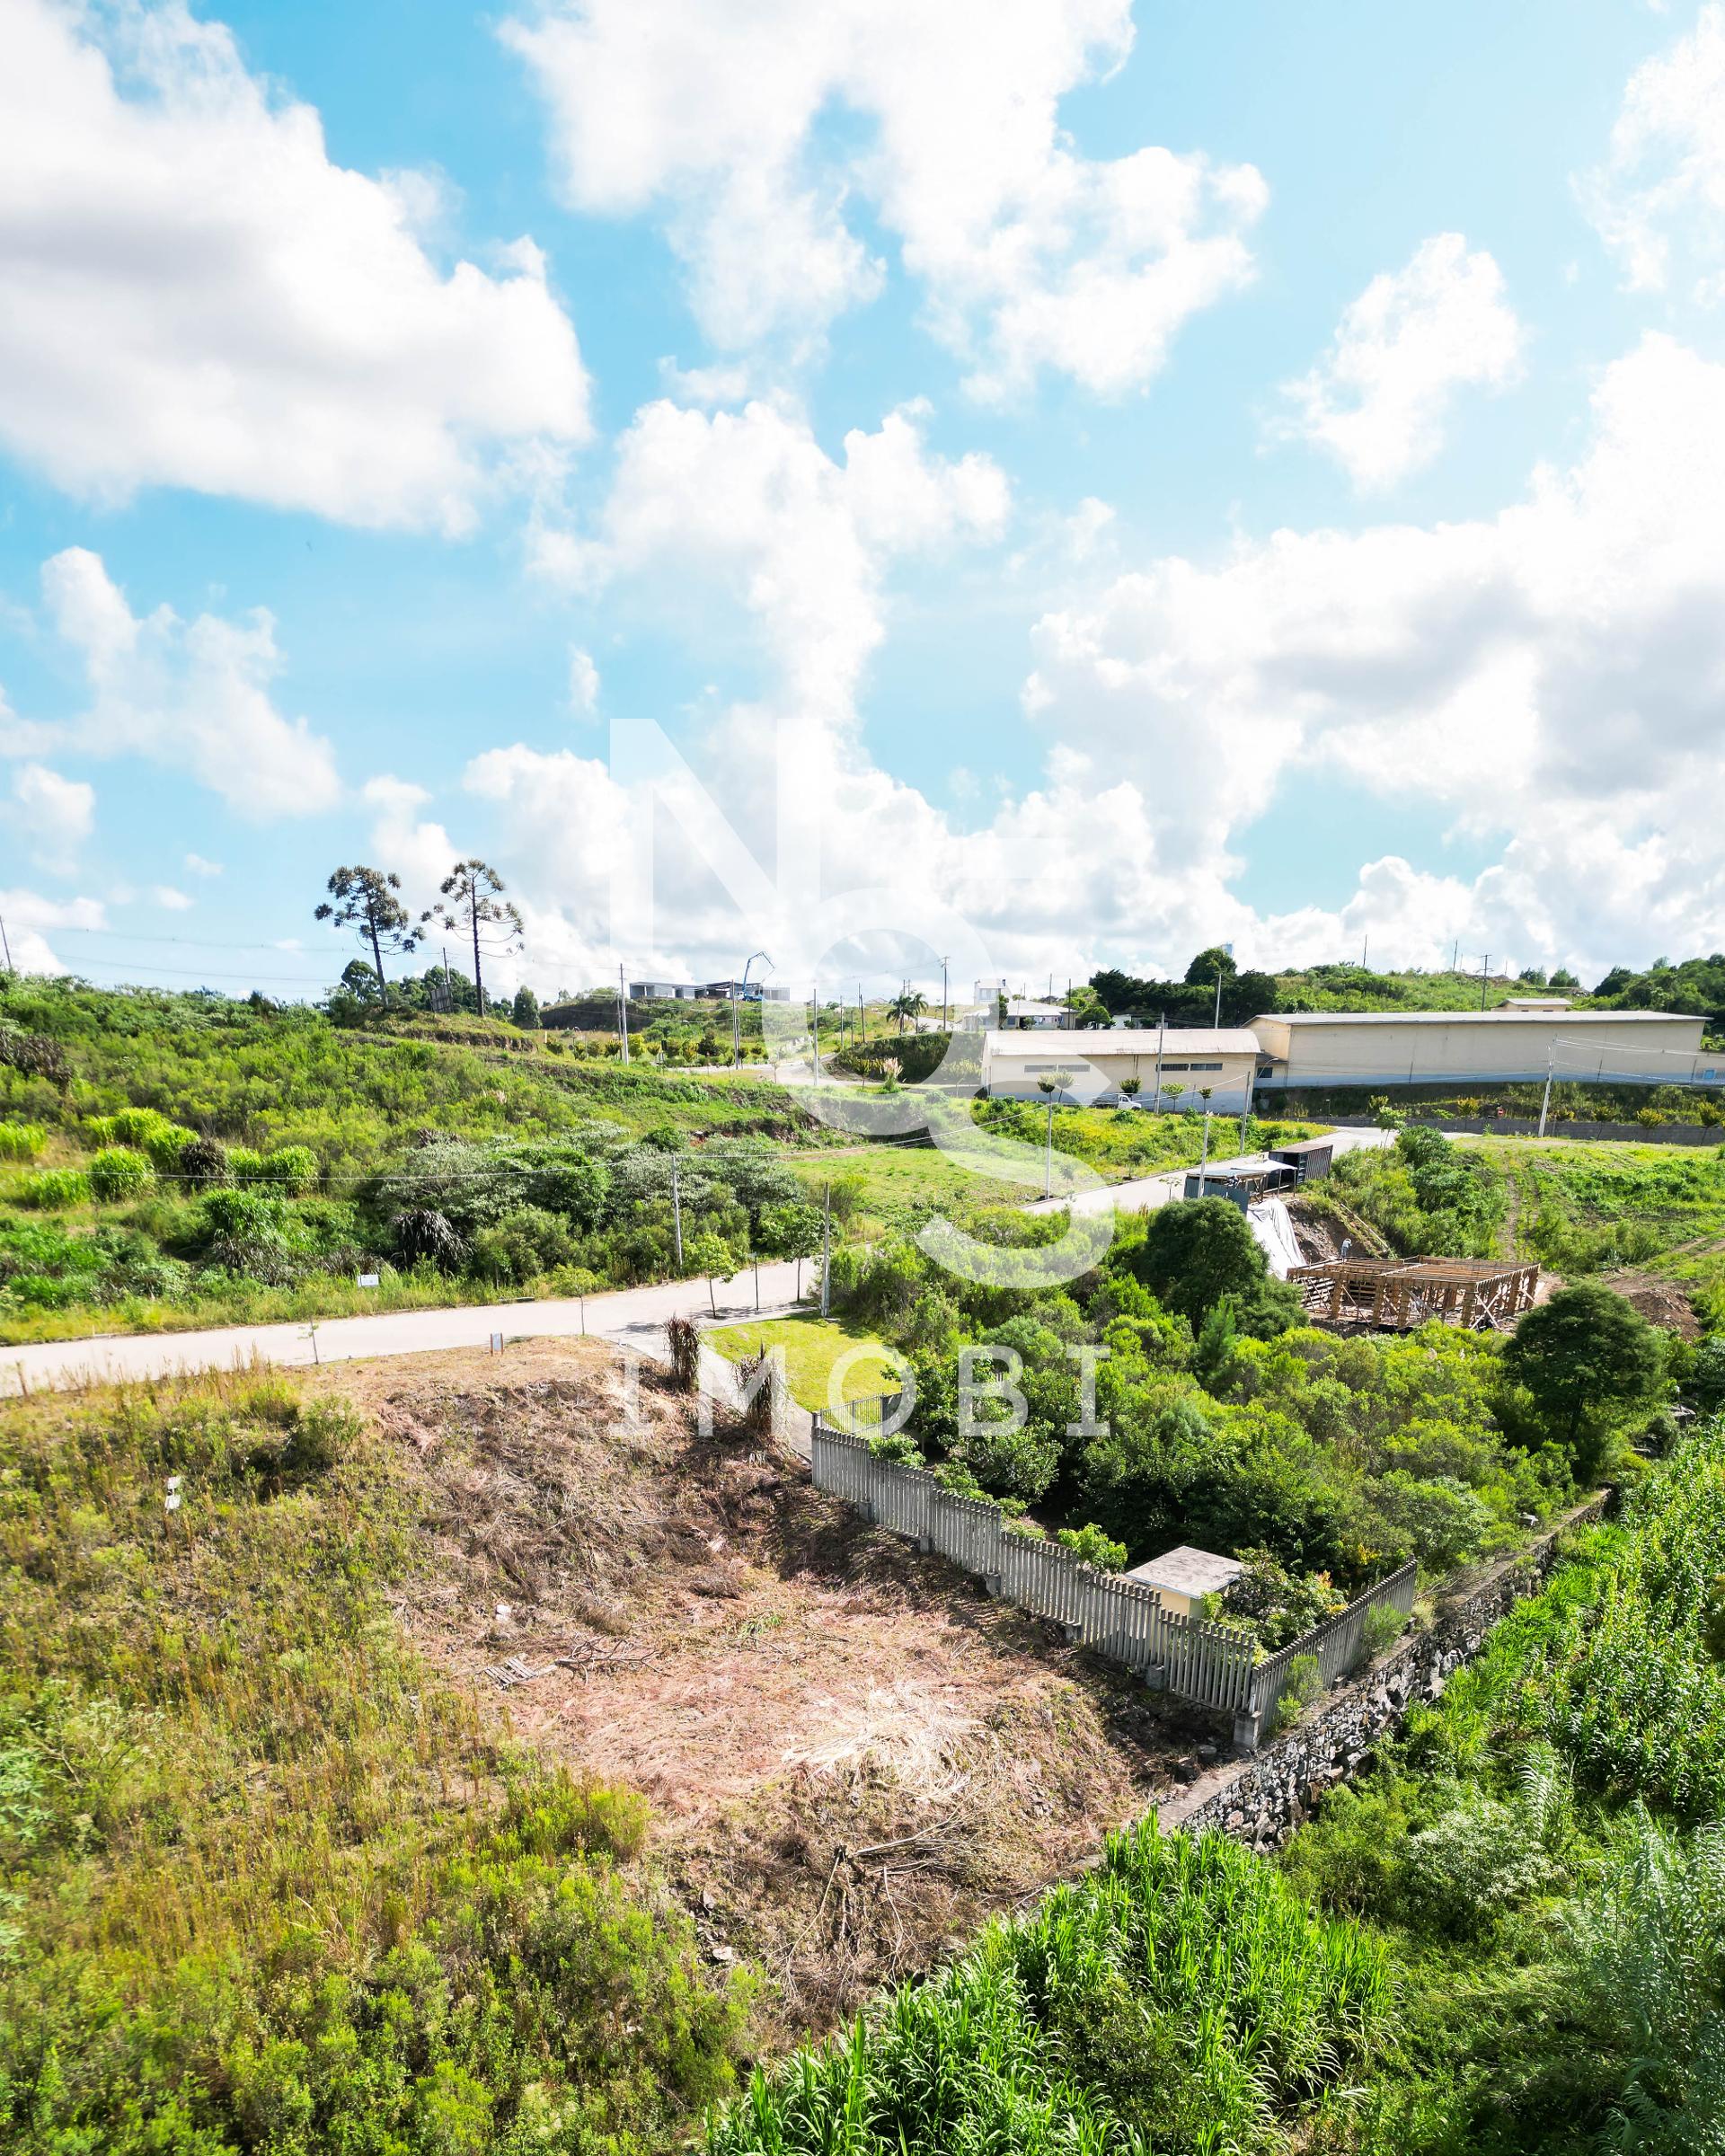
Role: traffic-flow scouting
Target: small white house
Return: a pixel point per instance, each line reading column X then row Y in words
column 1184, row 1576
column 1022, row 1013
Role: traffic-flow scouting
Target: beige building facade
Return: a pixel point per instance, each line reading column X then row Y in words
column 1089, row 1067
column 1485, row 1048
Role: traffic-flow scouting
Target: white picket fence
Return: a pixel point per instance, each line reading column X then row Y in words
column 1214, row 1665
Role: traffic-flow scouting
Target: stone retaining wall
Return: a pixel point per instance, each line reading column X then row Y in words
column 1262, row 1801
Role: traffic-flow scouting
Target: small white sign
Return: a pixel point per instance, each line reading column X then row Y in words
column 368, row 1279
column 497, row 1343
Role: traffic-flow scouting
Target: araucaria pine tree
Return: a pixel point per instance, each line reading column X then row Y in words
column 472, row 897
column 365, row 899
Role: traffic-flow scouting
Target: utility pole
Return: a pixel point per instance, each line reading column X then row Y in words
column 1218, row 998
column 1455, row 957
column 1162, row 1035
column 826, row 1254
column 945, row 1022
column 1048, row 1155
column 1365, row 945
column 861, row 1016
column 6, row 942
column 814, row 1019
column 622, row 1010
column 677, row 1215
column 1546, row 1104
column 1485, row 975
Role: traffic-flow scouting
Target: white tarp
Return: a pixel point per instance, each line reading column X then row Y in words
column 1270, row 1222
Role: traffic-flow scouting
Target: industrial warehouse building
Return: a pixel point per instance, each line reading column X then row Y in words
column 1380, row 1049
column 1480, row 1047
column 1088, row 1066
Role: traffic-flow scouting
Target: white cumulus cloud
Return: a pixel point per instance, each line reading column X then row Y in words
column 193, row 295
column 1659, row 200
column 1380, row 396
column 583, row 683
column 748, row 504
column 194, row 697
column 715, row 114
column 54, row 814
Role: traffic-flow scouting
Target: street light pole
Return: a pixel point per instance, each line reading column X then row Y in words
column 737, row 1012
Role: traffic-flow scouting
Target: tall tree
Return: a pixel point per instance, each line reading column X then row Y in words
column 1591, row 1362
column 365, row 899
column 472, row 896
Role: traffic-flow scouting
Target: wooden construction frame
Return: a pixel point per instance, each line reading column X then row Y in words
column 1394, row 1295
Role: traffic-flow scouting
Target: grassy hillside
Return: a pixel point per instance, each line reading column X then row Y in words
column 175, row 1160
column 272, row 1881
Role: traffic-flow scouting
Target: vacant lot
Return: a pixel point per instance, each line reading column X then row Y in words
column 853, row 1757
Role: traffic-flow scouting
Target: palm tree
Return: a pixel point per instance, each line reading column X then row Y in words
column 910, row 1004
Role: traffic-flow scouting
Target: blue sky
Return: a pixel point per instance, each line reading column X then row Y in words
column 1123, row 476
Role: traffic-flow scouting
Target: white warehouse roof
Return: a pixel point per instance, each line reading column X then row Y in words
column 1475, row 1018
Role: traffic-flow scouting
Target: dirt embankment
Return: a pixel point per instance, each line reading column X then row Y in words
column 853, row 1756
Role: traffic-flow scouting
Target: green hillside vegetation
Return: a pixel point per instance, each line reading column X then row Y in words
column 1506, row 1942
column 1323, row 1462
column 271, row 1882
column 185, row 1160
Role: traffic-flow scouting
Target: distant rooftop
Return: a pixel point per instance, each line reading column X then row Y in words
column 1188, row 1571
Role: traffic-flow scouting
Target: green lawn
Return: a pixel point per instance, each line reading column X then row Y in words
column 1579, row 1206
column 811, row 1347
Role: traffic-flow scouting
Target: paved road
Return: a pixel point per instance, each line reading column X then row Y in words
column 1146, row 1193
column 636, row 1317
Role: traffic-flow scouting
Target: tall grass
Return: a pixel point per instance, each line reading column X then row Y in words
column 272, row 1881
column 1180, row 1997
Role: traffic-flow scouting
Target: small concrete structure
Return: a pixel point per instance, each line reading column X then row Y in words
column 1244, row 1183
column 1311, row 1159
column 1183, row 1577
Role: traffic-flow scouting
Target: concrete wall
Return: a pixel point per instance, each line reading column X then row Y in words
column 1484, row 1048
column 1262, row 1801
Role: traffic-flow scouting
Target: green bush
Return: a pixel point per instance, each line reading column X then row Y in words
column 1380, row 1627
column 1302, row 1689
column 291, row 1169
column 1090, row 1546
column 54, row 1189
column 118, row 1173
column 22, row 1141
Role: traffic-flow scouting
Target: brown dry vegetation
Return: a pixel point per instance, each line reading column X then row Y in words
column 853, row 1755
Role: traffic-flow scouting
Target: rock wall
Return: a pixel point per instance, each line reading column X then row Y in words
column 1262, row 1801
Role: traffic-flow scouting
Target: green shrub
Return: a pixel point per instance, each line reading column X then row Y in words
column 22, row 1141
column 117, row 1172
column 1380, row 1627
column 1302, row 1688
column 1090, row 1546
column 166, row 1146
column 291, row 1169
column 54, row 1189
